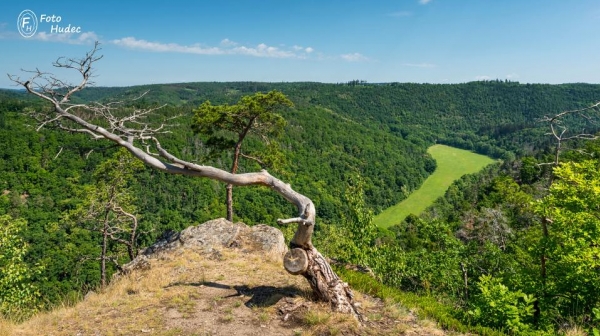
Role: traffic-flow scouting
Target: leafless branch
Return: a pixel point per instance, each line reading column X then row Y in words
column 559, row 131
column 252, row 158
column 57, row 154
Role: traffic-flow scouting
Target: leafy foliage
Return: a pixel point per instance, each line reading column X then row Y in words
column 497, row 306
column 228, row 126
column 19, row 296
column 107, row 210
column 571, row 245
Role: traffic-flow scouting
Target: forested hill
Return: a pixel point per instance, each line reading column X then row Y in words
column 340, row 140
column 489, row 117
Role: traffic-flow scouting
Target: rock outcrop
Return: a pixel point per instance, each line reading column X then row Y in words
column 210, row 238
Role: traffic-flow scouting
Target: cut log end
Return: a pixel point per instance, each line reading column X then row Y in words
column 295, row 261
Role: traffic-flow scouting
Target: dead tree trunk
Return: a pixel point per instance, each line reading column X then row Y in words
column 140, row 140
column 326, row 285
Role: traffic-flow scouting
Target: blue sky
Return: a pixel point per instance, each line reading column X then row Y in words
column 432, row 41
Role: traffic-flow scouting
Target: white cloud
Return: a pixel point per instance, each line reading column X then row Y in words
column 420, row 65
column 307, row 50
column 228, row 43
column 354, row 57
column 512, row 76
column 70, row 38
column 424, row 2
column 226, row 47
column 400, row 14
column 133, row 43
column 482, row 78
column 262, row 50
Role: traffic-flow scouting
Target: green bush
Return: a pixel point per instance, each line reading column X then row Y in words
column 19, row 297
column 499, row 307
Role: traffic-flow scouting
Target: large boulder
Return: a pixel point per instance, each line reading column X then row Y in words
column 212, row 237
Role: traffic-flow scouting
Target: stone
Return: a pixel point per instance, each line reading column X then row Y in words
column 212, row 237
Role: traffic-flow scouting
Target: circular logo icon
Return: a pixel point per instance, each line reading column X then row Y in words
column 27, row 23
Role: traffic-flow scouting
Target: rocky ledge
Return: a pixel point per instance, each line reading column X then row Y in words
column 210, row 238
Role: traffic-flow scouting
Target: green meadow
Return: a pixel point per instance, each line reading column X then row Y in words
column 452, row 163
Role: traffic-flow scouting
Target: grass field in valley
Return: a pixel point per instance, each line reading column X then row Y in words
column 452, row 163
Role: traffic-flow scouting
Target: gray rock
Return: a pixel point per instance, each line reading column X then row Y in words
column 211, row 237
column 269, row 239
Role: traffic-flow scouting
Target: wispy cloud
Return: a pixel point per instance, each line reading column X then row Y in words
column 419, row 65
column 482, row 78
column 354, row 57
column 228, row 43
column 400, row 14
column 226, row 47
column 424, row 2
column 512, row 76
column 69, row 38
column 133, row 43
column 6, row 33
column 307, row 50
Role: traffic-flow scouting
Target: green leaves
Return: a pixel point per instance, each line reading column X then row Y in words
column 572, row 245
column 19, row 297
column 497, row 306
column 227, row 126
column 255, row 114
column 106, row 212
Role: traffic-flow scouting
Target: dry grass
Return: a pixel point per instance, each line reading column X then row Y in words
column 573, row 331
column 231, row 293
column 6, row 327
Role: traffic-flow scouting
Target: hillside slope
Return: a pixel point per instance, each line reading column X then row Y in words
column 218, row 278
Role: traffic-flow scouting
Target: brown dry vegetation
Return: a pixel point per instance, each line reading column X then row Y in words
column 224, row 293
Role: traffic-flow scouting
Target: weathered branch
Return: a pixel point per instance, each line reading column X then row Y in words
column 255, row 159
column 559, row 134
column 576, row 111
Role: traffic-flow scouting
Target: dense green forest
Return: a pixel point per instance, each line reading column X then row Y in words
column 355, row 149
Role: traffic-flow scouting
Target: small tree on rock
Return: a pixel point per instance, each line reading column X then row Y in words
column 229, row 125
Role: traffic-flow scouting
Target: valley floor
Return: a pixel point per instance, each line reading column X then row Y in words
column 452, row 164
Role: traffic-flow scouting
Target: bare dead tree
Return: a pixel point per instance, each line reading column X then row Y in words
column 561, row 133
column 107, row 209
column 114, row 224
column 134, row 133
